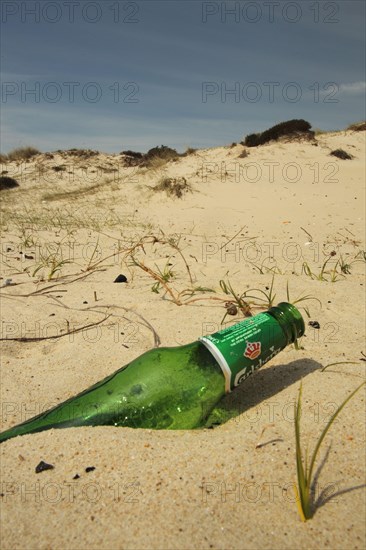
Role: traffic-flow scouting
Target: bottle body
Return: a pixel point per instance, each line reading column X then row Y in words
column 165, row 388
column 175, row 388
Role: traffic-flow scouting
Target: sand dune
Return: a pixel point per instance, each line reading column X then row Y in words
column 277, row 213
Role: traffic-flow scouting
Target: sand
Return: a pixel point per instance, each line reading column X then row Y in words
column 244, row 220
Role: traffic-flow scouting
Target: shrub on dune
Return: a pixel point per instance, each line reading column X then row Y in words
column 7, row 183
column 290, row 128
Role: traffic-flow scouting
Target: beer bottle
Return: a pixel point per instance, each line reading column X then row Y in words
column 176, row 387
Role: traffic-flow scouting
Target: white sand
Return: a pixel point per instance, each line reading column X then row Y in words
column 199, row 489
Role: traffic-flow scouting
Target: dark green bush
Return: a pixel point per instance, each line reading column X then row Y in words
column 162, row 152
column 341, row 154
column 252, row 140
column 7, row 183
column 288, row 128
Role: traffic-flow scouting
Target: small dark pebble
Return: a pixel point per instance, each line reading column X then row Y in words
column 28, row 257
column 231, row 309
column 52, row 314
column 120, row 279
column 90, row 469
column 76, row 476
column 9, row 249
column 85, row 302
column 42, row 466
column 314, row 324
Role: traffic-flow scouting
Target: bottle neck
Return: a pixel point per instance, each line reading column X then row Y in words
column 290, row 320
column 244, row 347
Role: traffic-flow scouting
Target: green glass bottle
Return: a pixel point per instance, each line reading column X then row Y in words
column 178, row 387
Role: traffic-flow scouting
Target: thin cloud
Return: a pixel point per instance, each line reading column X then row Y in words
column 353, row 88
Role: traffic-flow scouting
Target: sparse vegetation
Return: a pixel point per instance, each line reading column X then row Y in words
column 341, row 268
column 320, row 132
column 22, row 153
column 174, row 187
column 244, row 154
column 80, row 153
column 357, row 126
column 291, row 128
column 49, row 264
column 166, row 275
column 323, row 273
column 189, row 151
column 260, row 298
column 132, row 158
column 305, row 479
column 238, row 302
column 107, row 169
column 86, row 191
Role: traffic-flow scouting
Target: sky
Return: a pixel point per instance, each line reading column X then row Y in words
column 115, row 75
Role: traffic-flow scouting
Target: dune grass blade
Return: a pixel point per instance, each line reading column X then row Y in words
column 301, row 475
column 305, row 473
column 339, row 363
column 300, row 298
column 269, row 294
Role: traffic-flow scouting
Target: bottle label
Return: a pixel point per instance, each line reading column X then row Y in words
column 245, row 347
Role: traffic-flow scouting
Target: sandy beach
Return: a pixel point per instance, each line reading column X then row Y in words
column 253, row 217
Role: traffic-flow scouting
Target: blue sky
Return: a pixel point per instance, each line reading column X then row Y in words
column 116, row 75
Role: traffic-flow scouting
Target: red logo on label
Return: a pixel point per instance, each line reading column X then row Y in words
column 252, row 350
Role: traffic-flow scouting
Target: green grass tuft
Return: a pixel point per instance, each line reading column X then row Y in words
column 305, row 470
